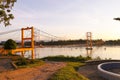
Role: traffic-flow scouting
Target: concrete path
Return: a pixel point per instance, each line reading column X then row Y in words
column 90, row 71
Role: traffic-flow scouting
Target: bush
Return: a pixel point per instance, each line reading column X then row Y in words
column 67, row 58
column 21, row 61
column 24, row 62
column 10, row 44
column 10, row 54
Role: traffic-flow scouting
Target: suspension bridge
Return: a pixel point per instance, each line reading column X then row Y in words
column 32, row 35
column 28, row 34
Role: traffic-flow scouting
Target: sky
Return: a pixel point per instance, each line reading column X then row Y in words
column 69, row 19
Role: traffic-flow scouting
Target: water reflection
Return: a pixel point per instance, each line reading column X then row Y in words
column 104, row 52
column 89, row 52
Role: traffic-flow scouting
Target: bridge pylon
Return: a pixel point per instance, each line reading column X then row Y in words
column 31, row 38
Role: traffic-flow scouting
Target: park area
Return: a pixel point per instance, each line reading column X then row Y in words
column 49, row 68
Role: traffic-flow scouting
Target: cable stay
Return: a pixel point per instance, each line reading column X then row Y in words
column 37, row 33
column 11, row 31
column 47, row 33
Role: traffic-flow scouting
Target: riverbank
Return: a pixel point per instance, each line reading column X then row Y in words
column 55, row 68
column 49, row 70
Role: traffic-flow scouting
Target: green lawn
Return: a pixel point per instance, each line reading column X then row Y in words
column 69, row 72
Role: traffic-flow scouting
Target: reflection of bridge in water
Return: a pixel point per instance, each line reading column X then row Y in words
column 90, row 43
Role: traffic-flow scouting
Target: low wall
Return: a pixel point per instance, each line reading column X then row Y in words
column 104, row 70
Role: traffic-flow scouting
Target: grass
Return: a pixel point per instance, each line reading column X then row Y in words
column 67, row 58
column 69, row 72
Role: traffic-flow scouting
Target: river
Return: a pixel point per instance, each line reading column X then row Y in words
column 104, row 52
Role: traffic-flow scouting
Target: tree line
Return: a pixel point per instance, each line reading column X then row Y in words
column 97, row 42
column 71, row 42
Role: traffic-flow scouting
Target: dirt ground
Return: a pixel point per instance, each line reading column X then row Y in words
column 43, row 72
column 5, row 65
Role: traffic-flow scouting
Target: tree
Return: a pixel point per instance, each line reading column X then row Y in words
column 5, row 11
column 117, row 18
column 10, row 44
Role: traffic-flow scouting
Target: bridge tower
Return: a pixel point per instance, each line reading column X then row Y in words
column 31, row 38
column 89, row 41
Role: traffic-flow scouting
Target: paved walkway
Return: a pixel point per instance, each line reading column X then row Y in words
column 90, row 71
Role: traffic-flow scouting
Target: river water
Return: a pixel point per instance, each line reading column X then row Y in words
column 104, row 52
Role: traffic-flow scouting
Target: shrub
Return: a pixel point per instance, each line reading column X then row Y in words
column 10, row 54
column 10, row 44
column 24, row 62
column 21, row 61
column 67, row 58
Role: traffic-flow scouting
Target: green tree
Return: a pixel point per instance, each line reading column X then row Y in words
column 5, row 11
column 117, row 18
column 10, row 44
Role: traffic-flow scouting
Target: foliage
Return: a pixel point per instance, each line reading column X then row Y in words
column 69, row 73
column 70, row 42
column 64, row 42
column 117, row 18
column 113, row 42
column 24, row 62
column 67, row 58
column 10, row 44
column 10, row 54
column 5, row 11
column 97, row 58
column 98, row 42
